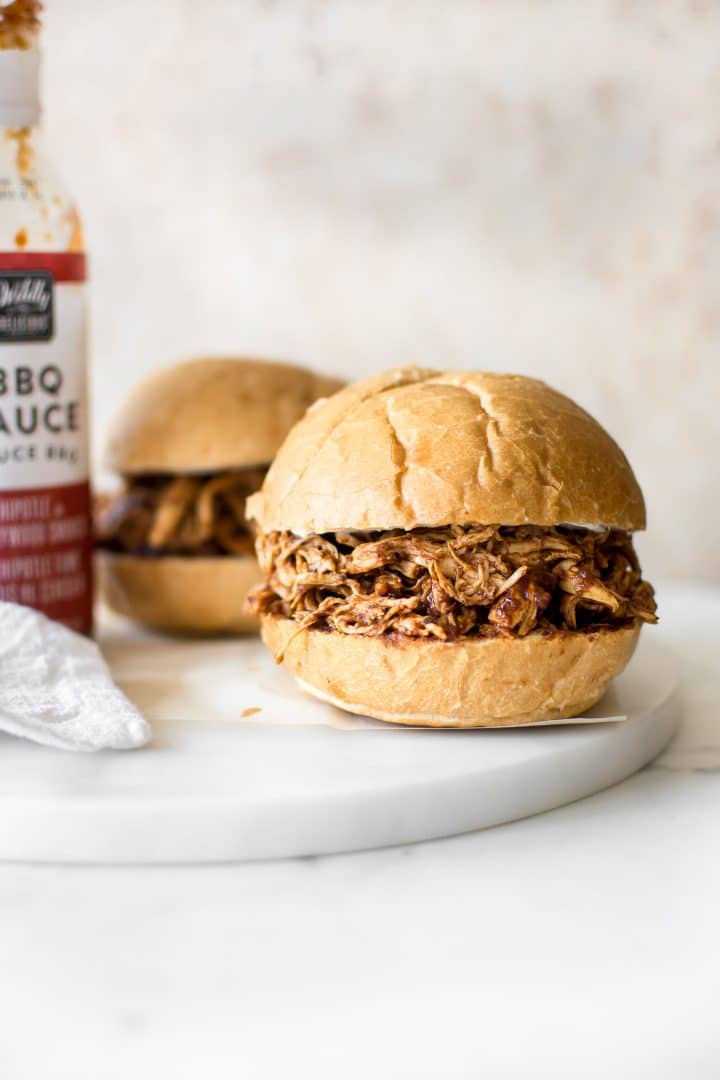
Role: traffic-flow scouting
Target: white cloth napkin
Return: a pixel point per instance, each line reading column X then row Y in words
column 56, row 689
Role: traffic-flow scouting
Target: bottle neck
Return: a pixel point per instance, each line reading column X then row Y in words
column 19, row 88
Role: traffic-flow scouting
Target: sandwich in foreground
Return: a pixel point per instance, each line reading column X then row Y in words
column 191, row 443
column 452, row 550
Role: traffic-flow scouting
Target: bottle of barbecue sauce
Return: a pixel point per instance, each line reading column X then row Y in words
column 45, row 530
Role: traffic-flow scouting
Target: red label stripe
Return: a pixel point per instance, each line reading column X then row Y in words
column 63, row 265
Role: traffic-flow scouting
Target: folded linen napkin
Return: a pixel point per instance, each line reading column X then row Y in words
column 56, row 689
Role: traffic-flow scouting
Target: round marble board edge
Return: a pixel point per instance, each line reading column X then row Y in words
column 244, row 766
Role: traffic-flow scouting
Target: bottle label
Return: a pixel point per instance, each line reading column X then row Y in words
column 45, row 513
column 26, row 305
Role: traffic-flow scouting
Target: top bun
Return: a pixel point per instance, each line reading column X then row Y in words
column 207, row 415
column 415, row 447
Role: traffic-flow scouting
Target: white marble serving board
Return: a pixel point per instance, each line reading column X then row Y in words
column 244, row 766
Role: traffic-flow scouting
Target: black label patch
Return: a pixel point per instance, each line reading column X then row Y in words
column 26, row 305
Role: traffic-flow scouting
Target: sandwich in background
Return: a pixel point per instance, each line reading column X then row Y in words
column 190, row 444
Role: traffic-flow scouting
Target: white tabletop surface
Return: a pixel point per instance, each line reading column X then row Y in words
column 582, row 942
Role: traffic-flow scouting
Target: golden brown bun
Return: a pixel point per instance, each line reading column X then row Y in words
column 180, row 595
column 206, row 415
column 415, row 447
column 490, row 682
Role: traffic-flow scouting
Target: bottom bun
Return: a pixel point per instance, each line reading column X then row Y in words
column 476, row 682
column 180, row 595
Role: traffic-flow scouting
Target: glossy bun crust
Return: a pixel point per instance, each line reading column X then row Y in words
column 210, row 415
column 416, row 447
column 180, row 595
column 472, row 682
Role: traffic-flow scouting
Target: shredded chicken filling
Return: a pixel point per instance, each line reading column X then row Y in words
column 456, row 581
column 179, row 515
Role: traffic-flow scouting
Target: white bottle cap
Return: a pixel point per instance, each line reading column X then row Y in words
column 19, row 87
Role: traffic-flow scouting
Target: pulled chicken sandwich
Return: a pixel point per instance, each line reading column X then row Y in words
column 452, row 550
column 190, row 445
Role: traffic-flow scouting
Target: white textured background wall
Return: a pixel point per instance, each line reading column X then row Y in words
column 509, row 184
